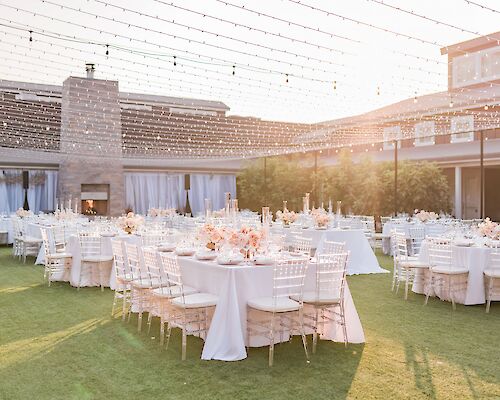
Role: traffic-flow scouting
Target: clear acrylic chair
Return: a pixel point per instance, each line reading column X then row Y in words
column 406, row 265
column 492, row 276
column 122, row 277
column 279, row 312
column 141, row 282
column 442, row 273
column 189, row 312
column 326, row 301
column 56, row 264
column 93, row 259
column 161, row 297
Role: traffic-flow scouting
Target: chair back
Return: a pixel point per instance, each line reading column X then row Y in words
column 401, row 246
column 331, row 275
column 288, row 278
column 330, row 247
column 152, row 238
column 135, row 263
column 494, row 261
column 151, row 263
column 90, row 244
column 417, row 235
column 302, row 245
column 47, row 248
column 440, row 254
column 119, row 259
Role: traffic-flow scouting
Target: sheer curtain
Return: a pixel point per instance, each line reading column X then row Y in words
column 209, row 186
column 144, row 190
column 41, row 197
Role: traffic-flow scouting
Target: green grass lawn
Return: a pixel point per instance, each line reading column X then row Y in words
column 60, row 343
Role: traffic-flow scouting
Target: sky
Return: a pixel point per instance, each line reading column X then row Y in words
column 286, row 60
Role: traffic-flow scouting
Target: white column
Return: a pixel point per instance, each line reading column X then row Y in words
column 458, row 192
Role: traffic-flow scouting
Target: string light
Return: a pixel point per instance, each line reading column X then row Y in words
column 31, row 36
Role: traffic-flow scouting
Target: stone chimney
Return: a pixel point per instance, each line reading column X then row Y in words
column 91, row 141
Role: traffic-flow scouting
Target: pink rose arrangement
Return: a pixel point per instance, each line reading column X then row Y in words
column 489, row 229
column 287, row 217
column 321, row 219
column 161, row 212
column 130, row 222
column 424, row 216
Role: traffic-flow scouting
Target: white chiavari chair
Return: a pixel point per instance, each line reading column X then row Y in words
column 279, row 311
column 56, row 264
column 327, row 299
column 443, row 275
column 122, row 276
column 406, row 265
column 152, row 238
column 190, row 313
column 93, row 259
column 492, row 276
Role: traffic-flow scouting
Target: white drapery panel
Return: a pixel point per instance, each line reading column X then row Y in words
column 41, row 197
column 213, row 187
column 144, row 190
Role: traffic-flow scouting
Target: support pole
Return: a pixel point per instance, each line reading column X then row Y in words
column 316, row 191
column 481, row 208
column 265, row 181
column 395, row 177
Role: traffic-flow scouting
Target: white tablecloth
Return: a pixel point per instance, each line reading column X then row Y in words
column 430, row 228
column 235, row 285
column 362, row 259
column 6, row 225
column 475, row 259
column 91, row 277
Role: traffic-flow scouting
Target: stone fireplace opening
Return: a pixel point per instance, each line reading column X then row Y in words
column 95, row 199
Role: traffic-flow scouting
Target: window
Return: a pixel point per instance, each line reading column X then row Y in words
column 462, row 129
column 424, row 133
column 479, row 67
column 391, row 133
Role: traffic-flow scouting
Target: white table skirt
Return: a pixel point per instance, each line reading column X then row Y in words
column 235, row 285
column 475, row 259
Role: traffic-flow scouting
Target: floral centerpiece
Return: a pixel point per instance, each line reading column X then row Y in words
column 321, row 219
column 130, row 222
column 21, row 212
column 211, row 235
column 247, row 239
column 161, row 212
column 287, row 217
column 424, row 216
column 489, row 229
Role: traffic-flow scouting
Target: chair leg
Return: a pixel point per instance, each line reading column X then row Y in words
column 315, row 332
column 139, row 321
column 184, row 343
column 407, row 281
column 303, row 334
column 124, row 302
column 169, row 333
column 271, row 342
column 150, row 318
column 114, row 303
column 162, row 332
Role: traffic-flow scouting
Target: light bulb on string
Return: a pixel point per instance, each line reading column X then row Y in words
column 175, row 61
column 234, row 69
column 334, row 85
column 107, row 51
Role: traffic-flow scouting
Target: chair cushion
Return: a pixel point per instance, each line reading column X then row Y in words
column 492, row 273
column 283, row 304
column 173, row 291
column 325, row 298
column 147, row 283
column 30, row 239
column 413, row 264
column 60, row 255
column 99, row 258
column 450, row 270
column 196, row 300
